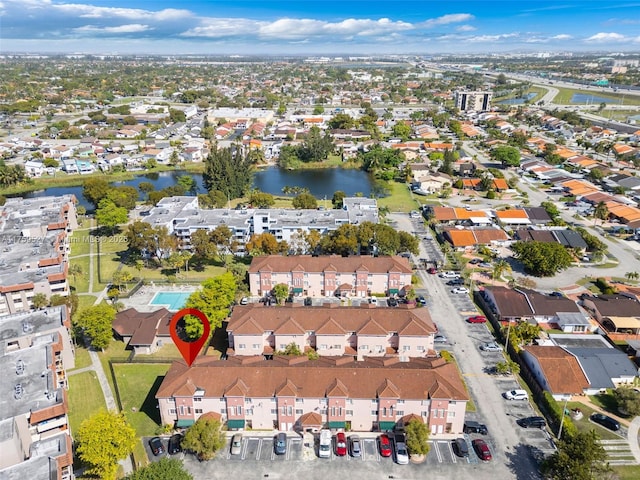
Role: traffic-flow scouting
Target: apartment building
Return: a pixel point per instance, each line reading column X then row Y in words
column 182, row 216
column 34, row 238
column 332, row 331
column 473, row 101
column 36, row 351
column 328, row 275
column 334, row 392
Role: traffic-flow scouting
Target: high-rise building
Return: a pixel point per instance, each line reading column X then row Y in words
column 473, row 101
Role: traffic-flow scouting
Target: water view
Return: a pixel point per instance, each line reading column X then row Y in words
column 321, row 183
column 592, row 99
column 518, row 100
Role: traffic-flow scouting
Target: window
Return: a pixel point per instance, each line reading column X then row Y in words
column 198, row 410
column 363, row 347
column 349, row 413
column 323, row 411
column 323, row 346
column 400, row 413
column 242, row 346
column 400, row 402
column 247, row 400
column 406, row 348
column 299, row 400
column 172, row 411
column 451, row 414
column 333, row 411
column 289, row 410
column 384, row 411
column 337, row 347
column 274, row 411
column 349, row 401
column 197, row 399
column 181, row 409
column 283, row 346
column 299, row 411
column 424, row 414
column 223, row 411
column 256, row 346
column 420, row 348
column 374, row 413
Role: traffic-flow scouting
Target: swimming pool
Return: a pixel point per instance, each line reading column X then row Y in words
column 174, row 301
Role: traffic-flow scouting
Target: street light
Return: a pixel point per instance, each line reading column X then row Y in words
column 564, row 409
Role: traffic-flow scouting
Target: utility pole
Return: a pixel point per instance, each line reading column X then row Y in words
column 564, row 408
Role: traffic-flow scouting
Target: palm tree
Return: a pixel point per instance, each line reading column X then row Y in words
column 601, row 212
column 632, row 275
column 500, row 267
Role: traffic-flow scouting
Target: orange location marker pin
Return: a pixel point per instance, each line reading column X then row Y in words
column 189, row 350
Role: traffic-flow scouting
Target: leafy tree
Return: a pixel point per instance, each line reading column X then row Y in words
column 95, row 189
column 263, row 244
column 51, row 163
column 401, row 130
column 202, row 244
column 341, row 121
column 157, row 241
column 291, row 350
column 542, row 259
column 204, row 438
column 177, row 115
column 595, row 174
column 124, row 196
column 417, row 438
column 579, row 457
column 213, row 299
column 316, row 146
column 228, row 171
column 628, row 400
column 304, row 201
column 337, row 199
column 500, row 267
column 96, row 322
column 109, row 214
column 507, row 367
column 342, row 241
column 408, row 243
column 102, row 440
column 39, row 300
column 601, row 211
column 261, row 199
column 188, row 183
column 281, row 292
column 506, row 155
column 165, row 469
column 632, row 275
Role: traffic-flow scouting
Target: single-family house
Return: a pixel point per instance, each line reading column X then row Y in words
column 143, row 332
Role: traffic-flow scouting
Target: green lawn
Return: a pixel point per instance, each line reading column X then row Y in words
column 584, row 425
column 80, row 242
column 85, row 398
column 82, row 358
column 137, row 385
column 81, row 282
column 86, row 300
column 401, row 198
column 631, row 472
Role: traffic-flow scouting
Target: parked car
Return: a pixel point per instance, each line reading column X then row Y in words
column 280, row 445
column 157, row 448
column 440, row 339
column 532, row 422
column 244, row 301
column 556, row 294
column 471, row 426
column 384, row 445
column 324, row 448
column 482, row 449
column 432, row 270
column 421, row 300
column 355, row 446
column 491, row 347
column 402, row 455
column 373, row 301
column 605, row 421
column 392, row 302
column 449, row 274
column 456, row 281
column 477, row 319
column 460, row 290
column 236, row 444
column 484, row 265
column 516, row 395
column 341, row 444
column 174, row 444
column 475, row 261
column 460, row 447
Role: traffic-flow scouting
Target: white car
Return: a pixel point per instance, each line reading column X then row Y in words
column 460, row 290
column 491, row 347
column 449, row 274
column 516, row 395
column 440, row 339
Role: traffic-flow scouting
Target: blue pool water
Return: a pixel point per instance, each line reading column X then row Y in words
column 174, row 301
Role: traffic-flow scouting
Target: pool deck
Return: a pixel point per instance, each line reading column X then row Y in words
column 142, row 298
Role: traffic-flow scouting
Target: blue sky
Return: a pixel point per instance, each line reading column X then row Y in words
column 317, row 27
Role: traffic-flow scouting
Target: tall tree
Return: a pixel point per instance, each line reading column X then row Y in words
column 601, row 212
column 102, row 440
column 542, row 259
column 109, row 215
column 228, row 171
column 95, row 189
column 204, row 438
column 213, row 299
column 96, row 323
column 579, row 457
column 304, row 201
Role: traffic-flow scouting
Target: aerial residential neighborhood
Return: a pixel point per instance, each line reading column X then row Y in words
column 416, row 265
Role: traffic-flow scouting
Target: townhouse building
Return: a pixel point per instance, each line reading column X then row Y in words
column 473, row 101
column 329, row 275
column 295, row 393
column 36, row 351
column 35, row 245
column 367, row 331
column 182, row 216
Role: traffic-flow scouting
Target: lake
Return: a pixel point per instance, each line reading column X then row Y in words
column 321, row 182
column 519, row 100
column 592, row 99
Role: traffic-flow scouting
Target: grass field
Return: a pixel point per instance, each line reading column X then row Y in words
column 631, row 472
column 80, row 242
column 82, row 358
column 81, row 282
column 584, row 425
column 85, row 398
column 565, row 94
column 137, row 385
column 86, row 301
column 400, row 200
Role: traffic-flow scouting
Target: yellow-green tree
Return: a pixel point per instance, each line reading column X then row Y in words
column 102, row 440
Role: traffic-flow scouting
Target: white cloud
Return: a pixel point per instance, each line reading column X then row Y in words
column 301, row 28
column 131, row 28
column 447, row 19
column 562, row 36
column 606, row 38
column 466, row 28
column 223, row 27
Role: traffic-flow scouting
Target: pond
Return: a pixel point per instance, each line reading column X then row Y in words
column 518, row 100
column 321, row 183
column 592, row 99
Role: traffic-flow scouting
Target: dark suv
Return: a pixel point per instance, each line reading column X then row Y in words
column 474, row 427
column 531, row 422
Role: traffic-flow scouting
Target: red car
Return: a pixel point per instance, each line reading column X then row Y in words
column 385, row 445
column 477, row 319
column 341, row 444
column 482, row 449
column 432, row 270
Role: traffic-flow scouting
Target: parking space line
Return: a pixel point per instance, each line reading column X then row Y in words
column 450, row 450
column 435, row 446
column 259, row 449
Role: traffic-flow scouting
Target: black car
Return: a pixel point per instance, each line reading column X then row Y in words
column 460, row 447
column 174, row 444
column 280, row 444
column 392, row 302
column 605, row 421
column 421, row 300
column 474, row 427
column 531, row 422
column 456, row 281
column 157, row 448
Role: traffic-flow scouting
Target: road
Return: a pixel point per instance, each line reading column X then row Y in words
column 512, row 455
